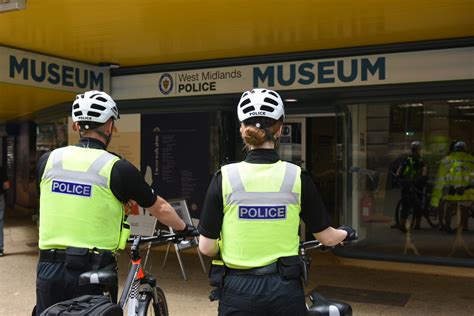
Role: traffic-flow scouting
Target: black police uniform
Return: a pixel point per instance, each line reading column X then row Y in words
column 268, row 294
column 55, row 282
column 412, row 188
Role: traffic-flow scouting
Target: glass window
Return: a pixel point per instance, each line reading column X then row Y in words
column 396, row 187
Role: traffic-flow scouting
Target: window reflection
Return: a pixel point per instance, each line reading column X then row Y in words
column 382, row 139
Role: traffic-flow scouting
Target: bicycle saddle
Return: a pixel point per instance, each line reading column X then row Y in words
column 104, row 277
column 324, row 307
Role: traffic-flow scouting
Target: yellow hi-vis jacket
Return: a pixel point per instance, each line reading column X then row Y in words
column 455, row 170
column 262, row 204
column 77, row 206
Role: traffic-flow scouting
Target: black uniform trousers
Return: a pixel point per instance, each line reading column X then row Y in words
column 58, row 279
column 411, row 201
column 261, row 295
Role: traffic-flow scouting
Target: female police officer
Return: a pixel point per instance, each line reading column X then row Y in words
column 251, row 216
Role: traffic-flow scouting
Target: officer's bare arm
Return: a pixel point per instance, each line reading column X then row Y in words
column 166, row 214
column 331, row 236
column 208, row 246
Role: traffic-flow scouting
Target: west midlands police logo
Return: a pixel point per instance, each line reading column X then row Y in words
column 166, row 83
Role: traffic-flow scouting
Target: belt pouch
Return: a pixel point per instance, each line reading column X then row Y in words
column 77, row 258
column 124, row 235
column 216, row 273
column 289, row 267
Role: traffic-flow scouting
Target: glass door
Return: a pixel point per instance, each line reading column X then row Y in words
column 292, row 145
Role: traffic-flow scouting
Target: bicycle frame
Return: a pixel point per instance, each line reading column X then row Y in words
column 137, row 281
column 133, row 281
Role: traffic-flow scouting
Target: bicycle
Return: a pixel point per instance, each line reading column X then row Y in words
column 429, row 212
column 320, row 306
column 141, row 294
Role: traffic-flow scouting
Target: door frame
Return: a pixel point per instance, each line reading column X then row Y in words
column 302, row 120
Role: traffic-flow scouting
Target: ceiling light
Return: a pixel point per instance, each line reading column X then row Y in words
column 411, row 105
column 291, row 100
column 11, row 5
column 466, row 107
column 459, row 101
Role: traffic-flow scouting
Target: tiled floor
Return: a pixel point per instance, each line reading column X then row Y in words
column 369, row 291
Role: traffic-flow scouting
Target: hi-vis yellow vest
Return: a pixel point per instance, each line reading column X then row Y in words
column 77, row 207
column 456, row 170
column 262, row 204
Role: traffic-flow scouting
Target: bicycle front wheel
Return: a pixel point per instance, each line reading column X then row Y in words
column 398, row 215
column 432, row 216
column 148, row 306
column 398, row 211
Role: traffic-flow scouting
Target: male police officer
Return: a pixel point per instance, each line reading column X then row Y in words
column 412, row 174
column 83, row 189
column 254, row 208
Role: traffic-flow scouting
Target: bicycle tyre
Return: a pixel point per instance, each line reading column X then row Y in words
column 398, row 215
column 398, row 212
column 147, row 304
column 432, row 216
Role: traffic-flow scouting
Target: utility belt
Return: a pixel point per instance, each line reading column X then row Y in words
column 79, row 258
column 289, row 268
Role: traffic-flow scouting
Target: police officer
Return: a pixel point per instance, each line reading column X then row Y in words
column 412, row 175
column 454, row 184
column 251, row 216
column 83, row 189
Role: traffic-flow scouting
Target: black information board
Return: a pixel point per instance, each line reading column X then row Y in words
column 175, row 147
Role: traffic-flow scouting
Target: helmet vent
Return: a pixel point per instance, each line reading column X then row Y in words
column 267, row 108
column 92, row 113
column 78, row 113
column 95, row 94
column 97, row 107
column 244, row 102
column 101, row 99
column 273, row 93
column 250, row 108
column 271, row 101
column 75, row 106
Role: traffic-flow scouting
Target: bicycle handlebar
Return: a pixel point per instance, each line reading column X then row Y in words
column 164, row 236
column 316, row 244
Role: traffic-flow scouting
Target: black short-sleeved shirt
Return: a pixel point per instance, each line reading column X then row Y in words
column 313, row 213
column 126, row 182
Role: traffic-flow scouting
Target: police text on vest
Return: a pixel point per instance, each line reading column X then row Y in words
column 262, row 212
column 71, row 188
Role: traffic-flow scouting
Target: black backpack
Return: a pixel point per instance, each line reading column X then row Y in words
column 84, row 305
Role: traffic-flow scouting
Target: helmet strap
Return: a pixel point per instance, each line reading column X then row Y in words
column 107, row 138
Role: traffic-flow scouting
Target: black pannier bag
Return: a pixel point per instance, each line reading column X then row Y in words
column 84, row 305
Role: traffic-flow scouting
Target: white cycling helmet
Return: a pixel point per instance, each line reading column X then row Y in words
column 459, row 146
column 94, row 106
column 260, row 103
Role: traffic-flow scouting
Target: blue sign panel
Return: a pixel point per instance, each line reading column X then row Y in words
column 78, row 189
column 262, row 212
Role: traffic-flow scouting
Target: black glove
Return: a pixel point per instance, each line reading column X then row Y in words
column 351, row 233
column 189, row 231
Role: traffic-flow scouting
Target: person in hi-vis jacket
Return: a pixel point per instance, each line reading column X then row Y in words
column 251, row 216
